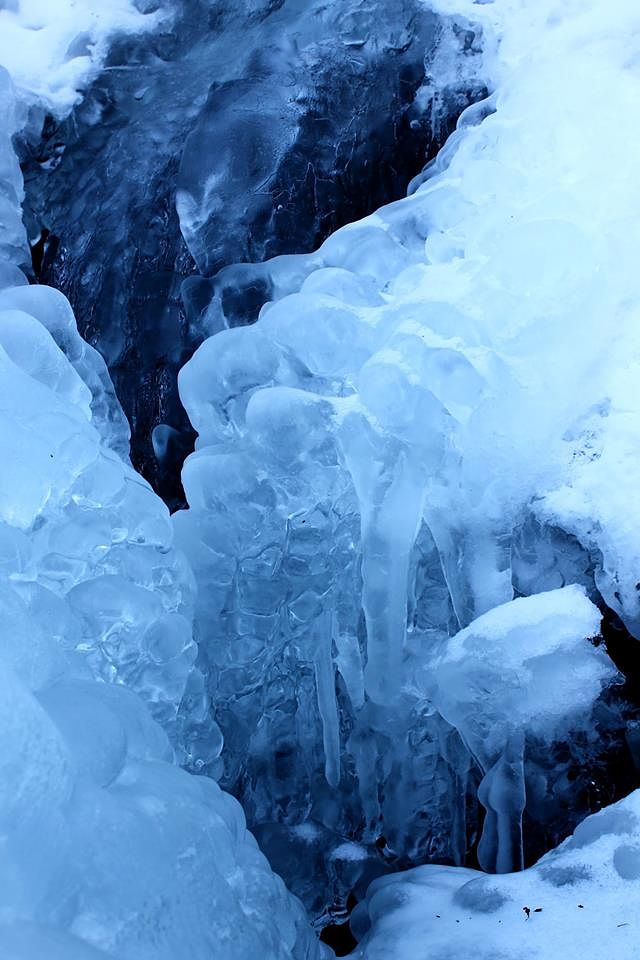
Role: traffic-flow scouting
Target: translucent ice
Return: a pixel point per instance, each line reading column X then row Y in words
column 414, row 475
column 318, row 112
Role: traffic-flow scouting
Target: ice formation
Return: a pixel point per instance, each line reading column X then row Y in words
column 420, row 428
column 412, row 497
column 109, row 848
column 578, row 901
column 317, row 112
column 521, row 668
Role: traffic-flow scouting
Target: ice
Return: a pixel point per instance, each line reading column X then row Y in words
column 433, row 417
column 318, row 112
column 109, row 848
column 13, row 238
column 575, row 902
column 53, row 312
column 285, row 162
column 523, row 667
column 106, row 841
column 411, row 496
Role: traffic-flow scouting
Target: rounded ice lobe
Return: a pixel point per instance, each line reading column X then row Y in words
column 526, row 667
column 503, row 672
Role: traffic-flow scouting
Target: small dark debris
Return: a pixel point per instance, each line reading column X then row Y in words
column 527, row 910
column 580, row 906
column 538, row 910
column 623, row 924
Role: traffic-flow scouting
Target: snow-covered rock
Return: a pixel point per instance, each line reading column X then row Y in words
column 579, row 901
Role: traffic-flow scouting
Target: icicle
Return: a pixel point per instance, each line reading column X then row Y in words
column 326, row 693
column 502, row 794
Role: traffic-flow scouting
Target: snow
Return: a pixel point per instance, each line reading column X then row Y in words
column 523, row 667
column 53, row 49
column 349, row 851
column 536, row 216
column 414, row 476
column 581, row 900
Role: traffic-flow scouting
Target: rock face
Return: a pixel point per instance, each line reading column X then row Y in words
column 228, row 134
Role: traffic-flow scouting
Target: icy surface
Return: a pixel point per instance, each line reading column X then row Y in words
column 109, row 849
column 434, row 414
column 13, row 238
column 578, row 901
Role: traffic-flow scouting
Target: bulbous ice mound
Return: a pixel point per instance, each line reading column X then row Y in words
column 435, row 413
column 109, row 849
column 576, row 902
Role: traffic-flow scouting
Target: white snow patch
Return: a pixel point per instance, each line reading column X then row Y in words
column 54, row 48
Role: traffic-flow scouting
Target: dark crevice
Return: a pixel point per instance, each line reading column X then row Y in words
column 340, row 938
column 602, row 764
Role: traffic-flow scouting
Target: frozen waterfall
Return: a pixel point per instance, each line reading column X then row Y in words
column 384, row 658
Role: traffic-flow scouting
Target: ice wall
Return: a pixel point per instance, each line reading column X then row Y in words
column 414, row 480
column 110, row 850
column 434, row 415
